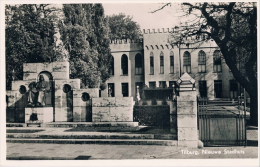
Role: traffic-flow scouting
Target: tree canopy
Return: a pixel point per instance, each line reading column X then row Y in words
column 42, row 33
column 233, row 27
column 123, row 27
column 30, row 37
column 84, row 33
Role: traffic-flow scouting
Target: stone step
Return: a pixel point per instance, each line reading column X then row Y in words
column 91, row 124
column 97, row 141
column 87, row 126
column 15, row 125
column 84, row 129
column 91, row 136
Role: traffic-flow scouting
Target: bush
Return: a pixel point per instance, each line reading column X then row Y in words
column 158, row 116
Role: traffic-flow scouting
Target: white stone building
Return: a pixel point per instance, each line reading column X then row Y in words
column 154, row 62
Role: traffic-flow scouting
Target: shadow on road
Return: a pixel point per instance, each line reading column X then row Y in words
column 80, row 157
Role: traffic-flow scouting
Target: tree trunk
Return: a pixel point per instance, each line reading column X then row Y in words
column 253, row 110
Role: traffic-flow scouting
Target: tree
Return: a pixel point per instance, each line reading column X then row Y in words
column 85, row 36
column 30, row 37
column 123, row 27
column 233, row 27
column 101, row 44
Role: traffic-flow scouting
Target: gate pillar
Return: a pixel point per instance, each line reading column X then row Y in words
column 187, row 127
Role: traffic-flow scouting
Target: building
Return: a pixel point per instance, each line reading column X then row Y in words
column 156, row 64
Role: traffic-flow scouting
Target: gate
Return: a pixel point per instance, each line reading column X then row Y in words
column 221, row 124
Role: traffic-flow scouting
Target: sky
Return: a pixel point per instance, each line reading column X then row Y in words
column 141, row 13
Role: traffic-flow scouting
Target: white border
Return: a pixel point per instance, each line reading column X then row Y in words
column 150, row 163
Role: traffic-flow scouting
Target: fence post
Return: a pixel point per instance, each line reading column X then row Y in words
column 187, row 127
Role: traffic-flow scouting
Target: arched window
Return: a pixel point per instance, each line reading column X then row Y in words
column 111, row 69
column 186, row 62
column 124, row 64
column 161, row 63
column 171, row 62
column 217, row 61
column 151, row 63
column 202, row 61
column 138, row 64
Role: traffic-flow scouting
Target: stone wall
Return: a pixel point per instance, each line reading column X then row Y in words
column 16, row 103
column 44, row 114
column 112, row 109
column 63, row 105
column 64, row 100
column 59, row 70
column 67, row 102
column 82, row 107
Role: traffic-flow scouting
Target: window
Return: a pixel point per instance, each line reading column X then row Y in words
column 124, row 65
column 171, row 62
column 161, row 63
column 233, row 87
column 218, row 88
column 111, row 89
column 151, row 63
column 186, row 62
column 125, row 91
column 217, row 61
column 138, row 64
column 172, row 84
column 162, row 84
column 111, row 69
column 202, row 61
column 152, row 84
column 203, row 88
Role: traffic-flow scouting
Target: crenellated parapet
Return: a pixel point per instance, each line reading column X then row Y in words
column 126, row 45
column 159, row 30
column 171, row 40
column 125, row 41
column 173, row 31
column 193, row 39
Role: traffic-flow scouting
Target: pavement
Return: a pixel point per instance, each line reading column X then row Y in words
column 36, row 151
column 17, row 151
